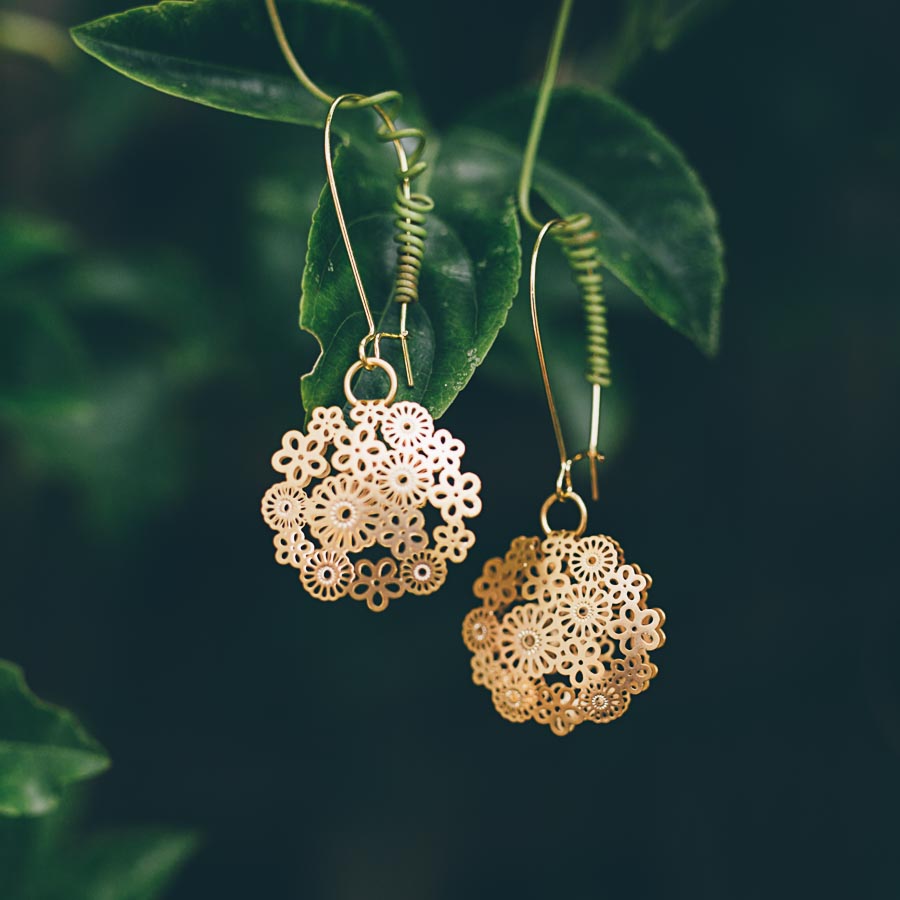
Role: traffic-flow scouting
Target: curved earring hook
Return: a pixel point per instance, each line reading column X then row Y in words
column 592, row 454
column 406, row 170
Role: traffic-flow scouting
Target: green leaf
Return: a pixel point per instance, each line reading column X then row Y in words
column 222, row 53
column 657, row 228
column 132, row 864
column 468, row 282
column 42, row 749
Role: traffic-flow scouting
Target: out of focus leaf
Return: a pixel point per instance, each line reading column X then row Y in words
column 42, row 749
column 130, row 864
column 96, row 355
column 41, row 858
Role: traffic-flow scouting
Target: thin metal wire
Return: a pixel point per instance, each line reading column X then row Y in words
column 532, row 292
column 592, row 455
column 411, row 208
column 373, row 335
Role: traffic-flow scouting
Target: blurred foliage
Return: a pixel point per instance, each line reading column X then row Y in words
column 46, row 859
column 42, row 749
column 93, row 352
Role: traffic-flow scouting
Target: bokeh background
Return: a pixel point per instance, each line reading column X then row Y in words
column 149, row 362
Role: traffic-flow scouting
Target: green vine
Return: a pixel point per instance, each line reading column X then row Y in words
column 575, row 236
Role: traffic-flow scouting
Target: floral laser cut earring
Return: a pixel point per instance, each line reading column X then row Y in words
column 564, row 632
column 352, row 512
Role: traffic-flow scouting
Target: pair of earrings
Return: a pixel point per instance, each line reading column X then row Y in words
column 378, row 506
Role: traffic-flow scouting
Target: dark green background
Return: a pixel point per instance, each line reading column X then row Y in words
column 330, row 753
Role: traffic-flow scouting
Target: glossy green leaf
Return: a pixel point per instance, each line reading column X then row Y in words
column 222, row 53
column 42, row 749
column 657, row 227
column 469, row 279
column 132, row 864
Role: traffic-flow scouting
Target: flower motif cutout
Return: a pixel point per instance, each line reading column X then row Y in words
column 301, row 458
column 558, row 707
column 603, row 701
column 497, row 585
column 342, row 514
column 326, row 422
column 480, row 630
column 357, row 452
column 456, row 494
column 546, row 580
column 515, row 696
column 523, row 553
column 444, row 451
column 402, row 531
column 407, row 426
column 283, row 505
column 584, row 611
column 529, row 639
column 377, row 583
column 403, row 478
column 369, row 412
column 292, row 548
column 326, row 574
column 627, row 584
column 486, row 670
column 423, row 572
column 634, row 672
column 559, row 544
column 581, row 661
column 638, row 629
column 453, row 541
column 593, row 559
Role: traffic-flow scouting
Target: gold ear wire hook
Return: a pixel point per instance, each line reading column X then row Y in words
column 373, row 335
column 592, row 454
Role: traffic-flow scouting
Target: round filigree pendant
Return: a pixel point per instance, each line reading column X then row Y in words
column 564, row 633
column 373, row 508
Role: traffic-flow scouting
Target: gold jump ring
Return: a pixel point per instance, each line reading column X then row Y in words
column 554, row 498
column 372, row 362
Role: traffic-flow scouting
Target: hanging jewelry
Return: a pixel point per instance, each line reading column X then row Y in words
column 376, row 507
column 564, row 632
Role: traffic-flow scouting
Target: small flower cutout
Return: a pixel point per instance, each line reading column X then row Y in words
column 283, row 505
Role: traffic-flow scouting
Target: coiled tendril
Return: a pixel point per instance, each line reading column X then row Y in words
column 578, row 242
column 412, row 211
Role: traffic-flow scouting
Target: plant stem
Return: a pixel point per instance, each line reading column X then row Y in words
column 540, row 113
column 291, row 60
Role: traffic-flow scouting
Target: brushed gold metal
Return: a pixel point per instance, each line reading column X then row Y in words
column 564, row 633
column 369, row 486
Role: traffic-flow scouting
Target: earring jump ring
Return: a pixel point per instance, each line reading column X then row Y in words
column 557, row 498
column 371, row 362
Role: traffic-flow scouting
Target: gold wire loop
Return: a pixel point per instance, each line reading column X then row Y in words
column 372, row 334
column 592, row 454
column 369, row 363
column 563, row 498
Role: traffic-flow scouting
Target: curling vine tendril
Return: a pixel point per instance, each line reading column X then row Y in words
column 411, row 208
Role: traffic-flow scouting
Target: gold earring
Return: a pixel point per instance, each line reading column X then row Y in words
column 564, row 633
column 372, row 484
